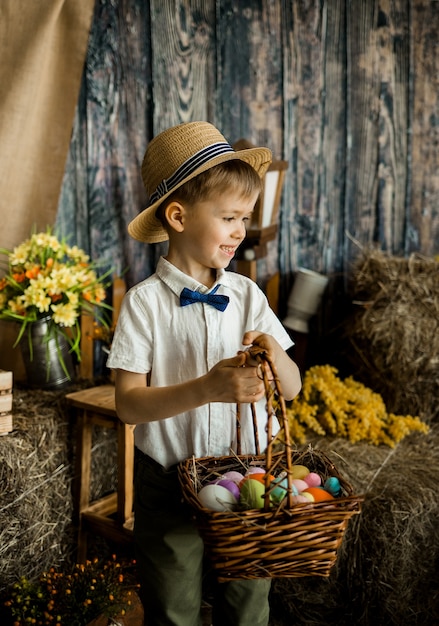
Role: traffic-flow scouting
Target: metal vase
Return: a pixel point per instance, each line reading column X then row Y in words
column 42, row 359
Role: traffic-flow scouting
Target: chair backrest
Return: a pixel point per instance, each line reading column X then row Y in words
column 88, row 329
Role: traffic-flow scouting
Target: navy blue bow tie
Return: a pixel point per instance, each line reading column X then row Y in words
column 218, row 301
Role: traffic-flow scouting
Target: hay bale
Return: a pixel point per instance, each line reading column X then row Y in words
column 36, row 473
column 386, row 572
column 393, row 333
column 35, row 500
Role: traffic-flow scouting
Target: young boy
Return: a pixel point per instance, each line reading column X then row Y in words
column 179, row 360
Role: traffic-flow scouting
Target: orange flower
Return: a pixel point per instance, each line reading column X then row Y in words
column 19, row 278
column 33, row 271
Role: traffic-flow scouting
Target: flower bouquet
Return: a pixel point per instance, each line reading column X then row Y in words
column 47, row 279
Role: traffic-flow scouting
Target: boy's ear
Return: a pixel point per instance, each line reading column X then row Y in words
column 174, row 214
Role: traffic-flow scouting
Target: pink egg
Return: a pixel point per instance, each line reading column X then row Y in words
column 230, row 485
column 313, row 480
column 300, row 499
column 233, row 475
column 255, row 470
column 300, row 484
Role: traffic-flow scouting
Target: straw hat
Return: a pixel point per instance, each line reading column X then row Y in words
column 177, row 155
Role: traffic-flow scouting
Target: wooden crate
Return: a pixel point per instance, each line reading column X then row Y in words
column 5, row 402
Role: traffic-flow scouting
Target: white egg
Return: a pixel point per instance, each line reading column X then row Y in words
column 217, row 498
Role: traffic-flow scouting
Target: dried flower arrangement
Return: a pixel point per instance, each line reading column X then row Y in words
column 346, row 408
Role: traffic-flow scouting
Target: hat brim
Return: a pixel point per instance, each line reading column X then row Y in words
column 147, row 228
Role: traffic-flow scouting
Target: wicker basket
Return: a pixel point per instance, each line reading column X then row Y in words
column 285, row 541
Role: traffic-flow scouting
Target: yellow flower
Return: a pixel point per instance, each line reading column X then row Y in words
column 73, row 298
column 36, row 295
column 78, row 255
column 46, row 276
column 17, row 305
column 64, row 314
column 330, row 406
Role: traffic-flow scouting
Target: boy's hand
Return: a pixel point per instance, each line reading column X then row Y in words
column 287, row 370
column 234, row 380
column 263, row 341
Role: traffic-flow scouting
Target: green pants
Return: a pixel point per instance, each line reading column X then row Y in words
column 170, row 558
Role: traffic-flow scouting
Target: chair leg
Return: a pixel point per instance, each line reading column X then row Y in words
column 83, row 466
column 81, row 554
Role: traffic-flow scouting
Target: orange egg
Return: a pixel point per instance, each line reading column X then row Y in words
column 261, row 477
column 320, row 495
column 257, row 476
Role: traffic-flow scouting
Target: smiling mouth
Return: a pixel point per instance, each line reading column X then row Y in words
column 228, row 250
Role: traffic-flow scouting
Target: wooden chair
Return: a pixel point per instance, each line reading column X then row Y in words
column 112, row 515
column 88, row 328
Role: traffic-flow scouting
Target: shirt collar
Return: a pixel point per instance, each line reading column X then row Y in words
column 177, row 280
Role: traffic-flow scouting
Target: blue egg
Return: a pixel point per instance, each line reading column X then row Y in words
column 332, row 486
column 279, row 492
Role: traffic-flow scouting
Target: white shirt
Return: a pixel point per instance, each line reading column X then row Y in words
column 155, row 334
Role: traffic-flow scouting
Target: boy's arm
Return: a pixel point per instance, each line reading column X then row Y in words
column 227, row 381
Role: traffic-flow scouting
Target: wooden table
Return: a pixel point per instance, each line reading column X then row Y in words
column 110, row 516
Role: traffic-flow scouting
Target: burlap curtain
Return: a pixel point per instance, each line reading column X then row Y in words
column 43, row 44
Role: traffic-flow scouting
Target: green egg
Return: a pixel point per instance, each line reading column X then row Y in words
column 252, row 495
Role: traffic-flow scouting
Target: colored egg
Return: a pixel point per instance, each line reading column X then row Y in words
column 233, row 475
column 279, row 492
column 261, row 477
column 230, row 485
column 313, row 479
column 309, row 496
column 217, row 498
column 332, row 484
column 299, row 471
column 320, row 495
column 300, row 499
column 255, row 470
column 252, row 495
column 299, row 484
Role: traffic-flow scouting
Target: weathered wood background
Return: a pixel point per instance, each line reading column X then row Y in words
column 346, row 91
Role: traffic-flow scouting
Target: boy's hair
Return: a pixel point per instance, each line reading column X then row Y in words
column 236, row 175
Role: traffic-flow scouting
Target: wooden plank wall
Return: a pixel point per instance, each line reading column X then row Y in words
column 347, row 91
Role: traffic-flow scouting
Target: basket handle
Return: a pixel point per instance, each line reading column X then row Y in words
column 272, row 390
column 255, row 429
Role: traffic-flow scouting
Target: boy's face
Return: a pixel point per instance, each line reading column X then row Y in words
column 213, row 230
